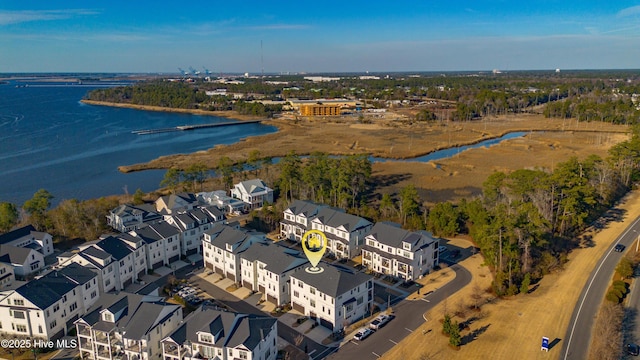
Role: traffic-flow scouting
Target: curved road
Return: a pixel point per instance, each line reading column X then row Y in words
column 578, row 336
column 408, row 317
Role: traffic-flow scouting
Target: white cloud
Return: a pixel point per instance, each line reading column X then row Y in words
column 22, row 16
column 630, row 11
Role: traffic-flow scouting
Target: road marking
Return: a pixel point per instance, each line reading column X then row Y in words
column 409, row 330
column 393, row 342
column 375, row 354
column 423, row 299
column 573, row 327
column 353, row 342
column 314, row 350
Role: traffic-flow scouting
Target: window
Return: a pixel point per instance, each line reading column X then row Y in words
column 296, row 294
column 312, row 291
column 243, row 354
column 360, row 300
column 73, row 306
column 312, row 303
column 51, row 325
column 93, row 294
column 19, row 302
column 86, row 286
column 18, row 314
column 64, row 298
column 121, row 262
column 22, row 328
column 40, row 329
column 56, row 307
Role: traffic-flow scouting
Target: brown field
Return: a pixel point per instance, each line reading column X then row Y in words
column 513, row 328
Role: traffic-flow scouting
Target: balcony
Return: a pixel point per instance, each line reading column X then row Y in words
column 84, row 331
column 171, row 350
column 101, row 337
column 86, row 345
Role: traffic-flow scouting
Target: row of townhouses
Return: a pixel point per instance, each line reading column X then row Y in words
column 385, row 247
column 333, row 298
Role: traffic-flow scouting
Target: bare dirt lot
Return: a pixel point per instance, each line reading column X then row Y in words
column 513, row 328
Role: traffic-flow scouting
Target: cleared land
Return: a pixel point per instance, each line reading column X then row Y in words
column 513, row 328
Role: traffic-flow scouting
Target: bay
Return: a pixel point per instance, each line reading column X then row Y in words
column 50, row 140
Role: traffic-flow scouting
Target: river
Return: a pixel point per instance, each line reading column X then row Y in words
column 50, row 140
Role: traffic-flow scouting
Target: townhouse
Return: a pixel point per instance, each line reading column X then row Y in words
column 162, row 241
column 25, row 261
column 220, row 199
column 213, row 334
column 192, row 225
column 127, row 217
column 334, row 298
column 46, row 307
column 407, row 255
column 297, row 219
column 176, row 202
column 267, row 268
column 126, row 326
column 255, row 193
column 345, row 232
column 28, row 237
column 118, row 261
column 222, row 246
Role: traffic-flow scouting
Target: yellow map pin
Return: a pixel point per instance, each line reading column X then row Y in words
column 314, row 244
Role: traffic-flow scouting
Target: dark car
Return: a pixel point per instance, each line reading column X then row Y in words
column 619, row 248
column 633, row 349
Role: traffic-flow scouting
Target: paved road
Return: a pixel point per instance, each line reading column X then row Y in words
column 287, row 333
column 578, row 336
column 408, row 317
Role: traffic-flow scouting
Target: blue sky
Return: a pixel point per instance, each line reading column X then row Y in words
column 327, row 36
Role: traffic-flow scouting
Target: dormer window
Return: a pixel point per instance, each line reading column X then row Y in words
column 406, row 246
column 107, row 317
column 206, row 338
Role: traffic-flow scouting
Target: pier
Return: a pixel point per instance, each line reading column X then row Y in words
column 193, row 127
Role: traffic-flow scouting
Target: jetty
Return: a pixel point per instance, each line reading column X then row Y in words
column 193, row 127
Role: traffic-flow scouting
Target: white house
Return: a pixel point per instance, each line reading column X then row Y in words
column 127, row 217
column 192, row 225
column 255, row 193
column 7, row 275
column 25, row 261
column 334, row 298
column 220, row 199
column 28, row 237
column 126, row 326
column 222, row 246
column 118, row 261
column 163, row 243
column 389, row 249
column 47, row 307
column 267, row 267
column 297, row 219
column 213, row 334
column 345, row 232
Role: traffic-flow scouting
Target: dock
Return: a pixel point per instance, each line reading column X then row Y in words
column 193, row 127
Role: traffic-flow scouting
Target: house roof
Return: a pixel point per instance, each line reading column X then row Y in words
column 333, row 281
column 229, row 329
column 222, row 235
column 95, row 252
column 136, row 314
column 114, row 246
column 338, row 219
column 305, row 207
column 14, row 255
column 157, row 231
column 393, row 235
column 253, row 186
column 278, row 259
column 47, row 290
column 16, row 234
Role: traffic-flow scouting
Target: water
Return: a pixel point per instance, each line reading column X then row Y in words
column 451, row 152
column 48, row 139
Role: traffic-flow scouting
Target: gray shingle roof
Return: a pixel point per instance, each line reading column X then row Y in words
column 305, row 207
column 393, row 235
column 157, row 231
column 96, row 252
column 114, row 246
column 47, row 290
column 223, row 235
column 253, row 186
column 16, row 234
column 336, row 218
column 231, row 329
column 332, row 281
column 279, row 259
column 14, row 255
column 138, row 314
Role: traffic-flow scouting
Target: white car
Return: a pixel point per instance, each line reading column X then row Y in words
column 187, row 292
column 380, row 321
column 362, row 334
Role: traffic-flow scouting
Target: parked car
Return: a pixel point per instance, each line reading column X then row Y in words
column 442, row 249
column 186, row 292
column 619, row 248
column 380, row 321
column 633, row 349
column 362, row 334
